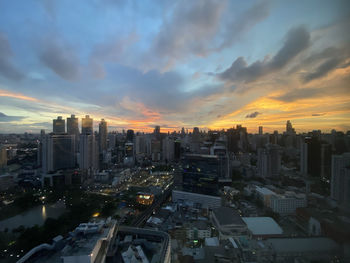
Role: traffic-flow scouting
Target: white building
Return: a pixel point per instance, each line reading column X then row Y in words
column 287, row 203
column 88, row 152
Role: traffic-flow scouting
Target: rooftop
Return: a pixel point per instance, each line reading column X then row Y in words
column 308, row 244
column 228, row 216
column 262, row 226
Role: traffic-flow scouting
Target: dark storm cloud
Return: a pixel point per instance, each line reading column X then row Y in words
column 60, row 59
column 296, row 40
column 7, row 69
column 6, row 118
column 253, row 114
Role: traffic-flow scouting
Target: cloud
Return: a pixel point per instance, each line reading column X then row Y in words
column 318, row 114
column 244, row 22
column 6, row 118
column 61, row 59
column 296, row 40
column 253, row 114
column 297, row 94
column 199, row 28
column 7, row 69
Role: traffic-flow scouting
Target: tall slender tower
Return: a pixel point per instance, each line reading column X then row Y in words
column 102, row 130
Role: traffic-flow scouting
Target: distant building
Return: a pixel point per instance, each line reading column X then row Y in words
column 260, row 130
column 73, row 129
column 130, row 134
column 58, row 152
column 269, row 161
column 59, row 125
column 88, row 152
column 340, row 182
column 196, row 200
column 102, row 135
column 287, row 203
column 289, row 128
column 3, row 156
column 87, row 125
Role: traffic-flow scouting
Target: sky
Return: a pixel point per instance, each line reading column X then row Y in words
column 209, row 64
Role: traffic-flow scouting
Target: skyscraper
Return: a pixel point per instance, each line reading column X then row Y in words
column 315, row 157
column 87, row 125
column 59, row 125
column 200, row 174
column 130, row 135
column 269, row 161
column 340, row 182
column 102, row 130
column 260, row 130
column 88, row 152
column 73, row 129
column 72, row 126
column 289, row 128
column 58, row 152
column 3, row 156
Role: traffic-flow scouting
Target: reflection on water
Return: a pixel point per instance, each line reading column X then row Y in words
column 35, row 216
column 43, row 212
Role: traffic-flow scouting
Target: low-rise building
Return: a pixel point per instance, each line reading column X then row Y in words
column 228, row 222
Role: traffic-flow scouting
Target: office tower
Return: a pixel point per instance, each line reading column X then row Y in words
column 177, row 149
column 168, row 149
column 3, row 156
column 326, row 160
column 73, row 129
column 87, row 125
column 58, row 152
column 274, row 137
column 156, row 150
column 88, row 152
column 200, row 174
column 315, row 157
column 269, row 161
column 260, row 130
column 156, row 130
column 72, row 126
column 102, row 130
column 289, row 128
column 130, row 135
column 129, row 158
column 340, row 181
column 59, row 125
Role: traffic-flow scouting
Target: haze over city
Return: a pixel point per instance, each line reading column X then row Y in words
column 209, row 64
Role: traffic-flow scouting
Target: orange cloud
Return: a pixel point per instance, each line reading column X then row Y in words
column 5, row 93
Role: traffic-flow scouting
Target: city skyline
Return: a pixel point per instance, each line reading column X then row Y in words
column 206, row 64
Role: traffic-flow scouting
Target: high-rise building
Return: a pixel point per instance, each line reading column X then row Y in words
column 315, row 157
column 260, row 130
column 340, row 181
column 200, row 174
column 58, row 152
column 102, row 130
column 3, row 156
column 73, row 129
column 59, row 126
column 72, row 126
column 289, row 128
column 269, row 161
column 89, row 158
column 130, row 135
column 87, row 125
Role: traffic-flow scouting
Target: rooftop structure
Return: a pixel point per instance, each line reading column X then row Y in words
column 262, row 226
